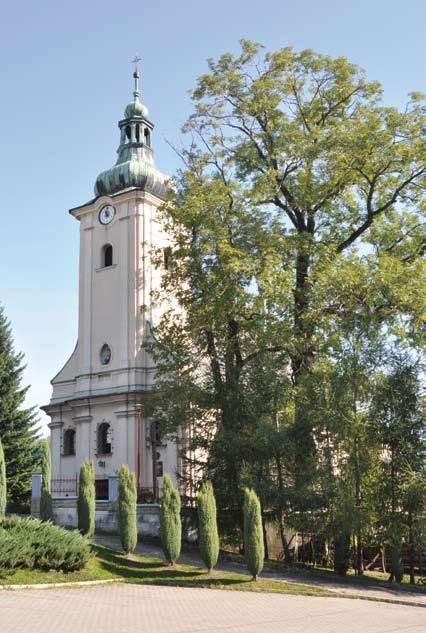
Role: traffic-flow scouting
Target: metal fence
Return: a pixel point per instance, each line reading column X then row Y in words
column 65, row 486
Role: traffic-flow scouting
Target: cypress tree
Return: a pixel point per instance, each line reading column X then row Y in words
column 17, row 424
column 342, row 552
column 394, row 543
column 207, row 526
column 45, row 465
column 3, row 490
column 86, row 503
column 170, row 523
column 127, row 498
column 254, row 548
column 46, row 510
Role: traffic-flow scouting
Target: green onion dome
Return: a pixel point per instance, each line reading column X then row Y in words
column 136, row 109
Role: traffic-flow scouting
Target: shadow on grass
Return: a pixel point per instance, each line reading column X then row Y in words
column 157, row 572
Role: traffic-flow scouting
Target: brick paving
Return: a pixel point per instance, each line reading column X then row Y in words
column 127, row 608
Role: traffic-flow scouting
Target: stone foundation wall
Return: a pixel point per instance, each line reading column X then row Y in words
column 106, row 515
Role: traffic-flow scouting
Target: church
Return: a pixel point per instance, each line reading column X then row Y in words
column 97, row 409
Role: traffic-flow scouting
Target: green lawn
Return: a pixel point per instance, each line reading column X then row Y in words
column 109, row 564
column 369, row 577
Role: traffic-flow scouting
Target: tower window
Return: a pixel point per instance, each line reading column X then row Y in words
column 69, row 442
column 147, row 137
column 107, row 255
column 128, row 132
column 138, row 136
column 104, row 439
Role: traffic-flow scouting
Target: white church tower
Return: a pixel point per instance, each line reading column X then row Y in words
column 97, row 408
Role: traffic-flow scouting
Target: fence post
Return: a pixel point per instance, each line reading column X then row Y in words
column 112, row 488
column 36, row 481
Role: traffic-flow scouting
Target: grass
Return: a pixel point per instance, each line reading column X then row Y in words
column 107, row 564
column 307, row 571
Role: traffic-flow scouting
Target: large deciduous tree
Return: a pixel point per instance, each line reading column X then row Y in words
column 298, row 206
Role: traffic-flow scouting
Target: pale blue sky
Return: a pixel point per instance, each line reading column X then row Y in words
column 65, row 80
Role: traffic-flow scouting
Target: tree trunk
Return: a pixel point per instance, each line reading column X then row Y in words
column 265, row 538
column 382, row 551
column 411, row 544
column 301, row 363
column 284, row 542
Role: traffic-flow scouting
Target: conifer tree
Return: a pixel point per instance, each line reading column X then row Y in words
column 394, row 546
column 171, row 527
column 46, row 510
column 86, row 503
column 254, row 548
column 3, row 490
column 342, row 552
column 45, row 465
column 207, row 525
column 17, row 424
column 127, row 498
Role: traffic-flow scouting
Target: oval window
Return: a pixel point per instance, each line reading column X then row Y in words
column 105, row 354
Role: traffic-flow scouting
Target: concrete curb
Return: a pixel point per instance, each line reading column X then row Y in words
column 56, row 585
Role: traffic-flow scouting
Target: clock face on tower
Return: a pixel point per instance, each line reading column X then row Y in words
column 106, row 214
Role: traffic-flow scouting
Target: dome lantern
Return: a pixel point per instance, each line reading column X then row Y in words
column 135, row 165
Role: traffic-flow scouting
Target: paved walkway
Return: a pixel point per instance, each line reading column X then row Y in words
column 126, row 608
column 373, row 591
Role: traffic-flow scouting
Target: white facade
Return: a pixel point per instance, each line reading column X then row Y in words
column 115, row 310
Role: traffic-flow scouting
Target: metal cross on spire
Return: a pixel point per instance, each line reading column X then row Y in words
column 135, row 62
column 136, row 76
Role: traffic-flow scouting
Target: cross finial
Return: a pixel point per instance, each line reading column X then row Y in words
column 135, row 62
column 136, row 77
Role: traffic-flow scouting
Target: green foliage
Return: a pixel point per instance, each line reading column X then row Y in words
column 127, row 499
column 35, row 545
column 254, row 549
column 170, row 521
column 86, row 503
column 3, row 484
column 207, row 526
column 17, row 425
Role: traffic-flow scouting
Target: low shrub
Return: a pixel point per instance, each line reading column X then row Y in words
column 34, row 544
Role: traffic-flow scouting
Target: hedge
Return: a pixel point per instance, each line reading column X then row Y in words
column 35, row 544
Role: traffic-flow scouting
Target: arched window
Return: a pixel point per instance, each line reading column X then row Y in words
column 138, row 138
column 128, row 132
column 107, row 256
column 69, row 442
column 147, row 137
column 104, row 439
